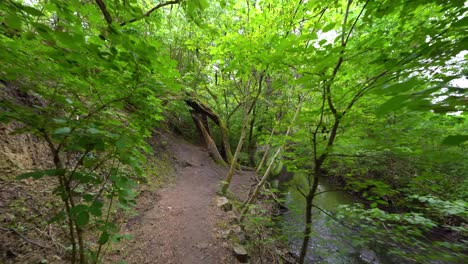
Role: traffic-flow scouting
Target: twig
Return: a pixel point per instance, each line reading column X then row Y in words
column 23, row 237
column 49, row 232
column 337, row 190
column 147, row 14
column 334, row 218
column 300, row 191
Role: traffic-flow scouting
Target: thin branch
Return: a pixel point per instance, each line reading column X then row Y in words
column 327, row 191
column 16, row 232
column 106, row 105
column 234, row 110
column 314, row 135
column 365, row 87
column 345, row 20
column 300, row 191
column 334, row 218
column 147, row 14
column 104, row 11
column 355, row 21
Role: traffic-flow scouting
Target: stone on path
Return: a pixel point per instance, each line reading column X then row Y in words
column 223, row 203
column 241, row 253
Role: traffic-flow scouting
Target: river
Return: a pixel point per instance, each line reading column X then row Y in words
column 329, row 243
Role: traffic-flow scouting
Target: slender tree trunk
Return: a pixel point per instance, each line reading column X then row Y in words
column 318, row 162
column 204, row 120
column 247, row 112
column 79, row 230
column 65, row 197
column 308, row 213
column 225, row 141
column 256, row 191
column 233, row 165
column 264, row 179
column 71, row 227
column 251, row 146
column 267, row 151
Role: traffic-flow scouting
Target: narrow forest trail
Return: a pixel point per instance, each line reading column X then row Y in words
column 182, row 225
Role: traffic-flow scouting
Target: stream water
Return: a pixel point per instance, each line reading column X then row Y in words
column 328, row 243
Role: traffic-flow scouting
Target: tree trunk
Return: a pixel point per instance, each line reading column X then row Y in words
column 308, row 213
column 267, row 151
column 208, row 112
column 233, row 166
column 199, row 126
column 207, row 140
column 254, row 194
column 252, row 145
column 307, row 230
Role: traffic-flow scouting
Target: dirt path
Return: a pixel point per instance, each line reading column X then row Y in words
column 181, row 226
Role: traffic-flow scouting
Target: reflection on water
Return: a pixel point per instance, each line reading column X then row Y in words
column 328, row 242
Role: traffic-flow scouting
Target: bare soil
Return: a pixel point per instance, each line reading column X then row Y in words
column 181, row 223
column 25, row 206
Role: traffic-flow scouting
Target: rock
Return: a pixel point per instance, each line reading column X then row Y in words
column 225, row 233
column 241, row 253
column 369, row 256
column 223, row 203
column 236, row 229
column 203, row 245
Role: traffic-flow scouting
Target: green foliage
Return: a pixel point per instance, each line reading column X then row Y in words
column 93, row 91
column 375, row 82
column 406, row 232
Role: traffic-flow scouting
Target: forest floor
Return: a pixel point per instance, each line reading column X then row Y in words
column 181, row 223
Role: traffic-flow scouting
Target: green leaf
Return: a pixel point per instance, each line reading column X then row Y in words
column 393, row 104
column 59, row 217
column 455, row 140
column 80, row 214
column 59, row 120
column 104, row 238
column 62, row 131
column 92, row 130
column 32, row 11
column 328, row 27
column 400, row 87
column 40, row 173
column 82, row 219
column 96, row 208
column 13, row 21
column 85, row 177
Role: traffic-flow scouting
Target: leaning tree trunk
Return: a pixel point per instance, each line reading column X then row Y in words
column 206, row 111
column 207, row 140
